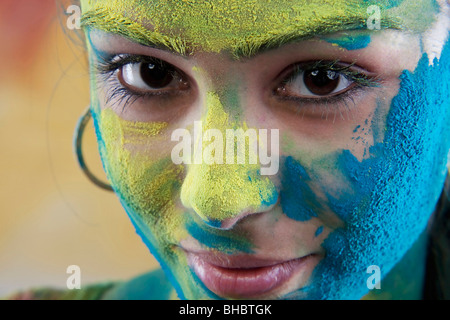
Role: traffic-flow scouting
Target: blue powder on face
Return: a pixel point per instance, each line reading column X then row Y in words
column 385, row 4
column 351, row 42
column 255, row 176
column 218, row 239
column 393, row 193
column 297, row 199
column 273, row 199
column 318, row 231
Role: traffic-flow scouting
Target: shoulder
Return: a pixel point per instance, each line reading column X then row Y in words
column 150, row 286
column 91, row 292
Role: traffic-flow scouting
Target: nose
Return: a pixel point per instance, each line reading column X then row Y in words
column 219, row 192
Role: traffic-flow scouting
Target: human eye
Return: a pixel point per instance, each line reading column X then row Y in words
column 330, row 84
column 132, row 77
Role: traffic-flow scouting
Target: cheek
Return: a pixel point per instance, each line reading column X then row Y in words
column 408, row 168
column 141, row 171
column 396, row 190
column 405, row 165
column 386, row 199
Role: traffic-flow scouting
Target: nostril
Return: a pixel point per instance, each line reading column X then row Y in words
column 226, row 223
column 229, row 223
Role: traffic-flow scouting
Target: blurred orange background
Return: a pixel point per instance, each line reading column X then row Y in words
column 51, row 215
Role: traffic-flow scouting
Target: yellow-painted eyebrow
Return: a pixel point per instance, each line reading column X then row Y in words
column 103, row 19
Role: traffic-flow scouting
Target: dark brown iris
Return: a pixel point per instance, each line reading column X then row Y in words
column 156, row 76
column 321, row 82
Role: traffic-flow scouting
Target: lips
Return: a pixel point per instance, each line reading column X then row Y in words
column 245, row 276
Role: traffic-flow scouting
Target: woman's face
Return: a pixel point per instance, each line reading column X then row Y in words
column 347, row 173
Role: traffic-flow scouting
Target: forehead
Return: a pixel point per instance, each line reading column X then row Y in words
column 231, row 24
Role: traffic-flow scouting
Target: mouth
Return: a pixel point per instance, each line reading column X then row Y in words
column 246, row 276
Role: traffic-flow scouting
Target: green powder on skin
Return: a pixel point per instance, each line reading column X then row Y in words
column 147, row 184
column 242, row 27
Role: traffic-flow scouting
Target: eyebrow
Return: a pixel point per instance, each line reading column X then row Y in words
column 103, row 20
column 247, row 47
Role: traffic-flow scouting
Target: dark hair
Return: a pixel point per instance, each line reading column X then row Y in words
column 437, row 279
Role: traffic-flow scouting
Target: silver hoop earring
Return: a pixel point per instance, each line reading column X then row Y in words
column 78, row 141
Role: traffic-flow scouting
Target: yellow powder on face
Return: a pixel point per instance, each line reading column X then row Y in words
column 242, row 27
column 214, row 26
column 148, row 185
column 220, row 191
column 143, row 128
column 138, row 132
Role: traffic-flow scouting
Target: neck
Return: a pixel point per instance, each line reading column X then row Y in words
column 406, row 280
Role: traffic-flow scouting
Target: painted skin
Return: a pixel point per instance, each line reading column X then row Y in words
column 359, row 177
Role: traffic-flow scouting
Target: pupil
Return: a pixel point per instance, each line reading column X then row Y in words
column 321, row 82
column 156, row 76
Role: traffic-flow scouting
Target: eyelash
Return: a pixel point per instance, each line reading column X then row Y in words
column 339, row 101
column 108, row 65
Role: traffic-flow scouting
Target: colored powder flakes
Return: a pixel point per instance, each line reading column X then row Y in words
column 242, row 27
column 220, row 191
